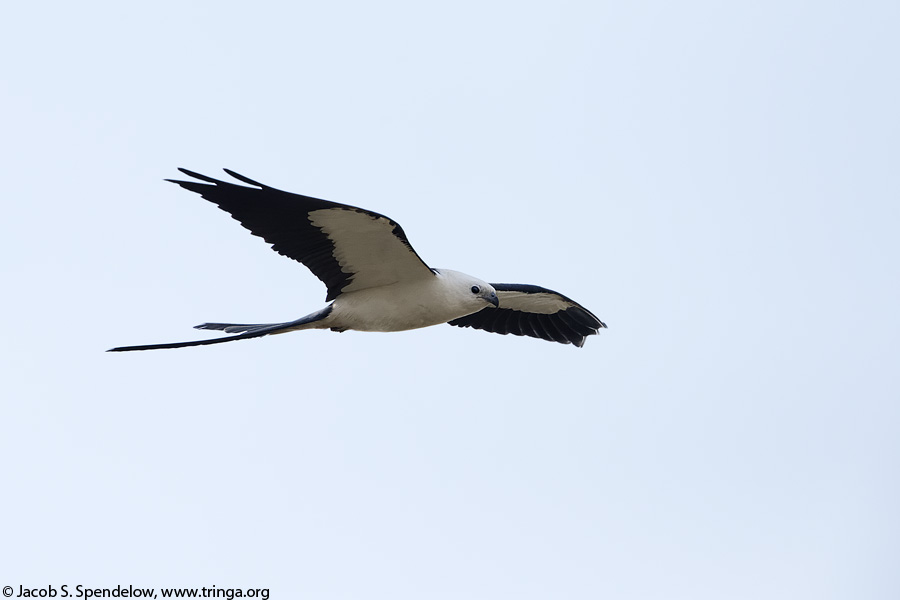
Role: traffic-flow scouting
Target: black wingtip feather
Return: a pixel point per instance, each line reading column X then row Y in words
column 247, row 180
column 199, row 176
column 584, row 317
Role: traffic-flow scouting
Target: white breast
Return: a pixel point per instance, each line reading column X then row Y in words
column 402, row 306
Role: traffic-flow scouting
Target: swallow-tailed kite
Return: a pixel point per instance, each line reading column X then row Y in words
column 375, row 280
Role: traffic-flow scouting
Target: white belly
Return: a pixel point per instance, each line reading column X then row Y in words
column 400, row 307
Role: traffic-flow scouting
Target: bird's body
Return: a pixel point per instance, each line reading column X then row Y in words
column 375, row 280
column 442, row 297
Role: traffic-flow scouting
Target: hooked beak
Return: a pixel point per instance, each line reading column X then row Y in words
column 493, row 299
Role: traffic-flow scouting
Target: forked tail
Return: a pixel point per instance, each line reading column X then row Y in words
column 245, row 332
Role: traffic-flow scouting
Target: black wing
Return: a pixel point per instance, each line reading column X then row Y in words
column 348, row 248
column 537, row 312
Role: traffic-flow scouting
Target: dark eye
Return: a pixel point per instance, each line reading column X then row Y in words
column 476, row 289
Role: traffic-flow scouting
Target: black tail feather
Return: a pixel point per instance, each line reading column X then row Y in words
column 186, row 344
column 239, row 327
column 249, row 331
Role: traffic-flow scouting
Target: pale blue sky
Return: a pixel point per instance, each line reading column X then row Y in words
column 717, row 181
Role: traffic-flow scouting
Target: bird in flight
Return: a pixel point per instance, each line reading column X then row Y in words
column 375, row 280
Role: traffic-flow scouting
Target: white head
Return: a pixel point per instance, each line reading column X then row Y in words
column 471, row 290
